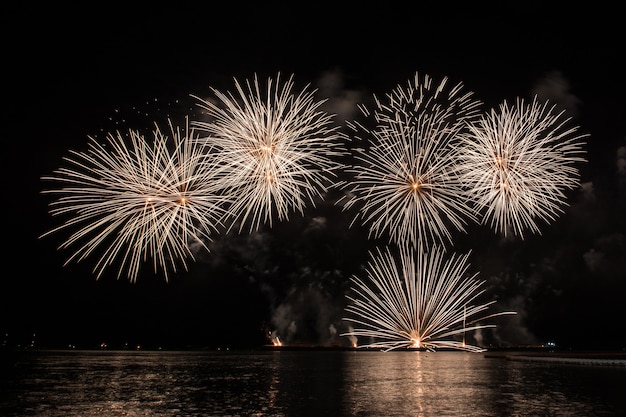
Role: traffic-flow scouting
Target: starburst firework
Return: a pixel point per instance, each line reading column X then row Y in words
column 277, row 149
column 517, row 164
column 421, row 301
column 138, row 199
column 405, row 181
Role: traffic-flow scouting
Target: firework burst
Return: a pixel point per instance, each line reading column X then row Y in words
column 277, row 149
column 421, row 301
column 405, row 181
column 517, row 164
column 138, row 199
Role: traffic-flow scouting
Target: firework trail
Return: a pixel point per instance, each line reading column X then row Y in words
column 421, row 301
column 405, row 181
column 517, row 163
column 277, row 149
column 138, row 199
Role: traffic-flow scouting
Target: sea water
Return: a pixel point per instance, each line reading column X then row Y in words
column 301, row 383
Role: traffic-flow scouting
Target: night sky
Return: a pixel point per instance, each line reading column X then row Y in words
column 73, row 73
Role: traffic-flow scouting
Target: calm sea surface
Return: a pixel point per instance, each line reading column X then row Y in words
column 301, row 383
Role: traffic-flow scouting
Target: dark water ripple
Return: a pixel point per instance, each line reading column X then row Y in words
column 307, row 383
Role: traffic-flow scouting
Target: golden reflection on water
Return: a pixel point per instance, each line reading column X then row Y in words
column 467, row 384
column 301, row 383
column 412, row 383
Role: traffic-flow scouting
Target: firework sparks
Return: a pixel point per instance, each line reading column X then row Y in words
column 275, row 339
column 138, row 201
column 405, row 182
column 421, row 301
column 277, row 149
column 517, row 164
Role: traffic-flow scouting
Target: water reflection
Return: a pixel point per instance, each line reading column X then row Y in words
column 411, row 383
column 300, row 383
column 469, row 384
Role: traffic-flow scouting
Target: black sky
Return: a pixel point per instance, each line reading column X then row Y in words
column 70, row 73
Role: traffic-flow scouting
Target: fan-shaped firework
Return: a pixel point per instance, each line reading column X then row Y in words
column 138, row 201
column 421, row 301
column 276, row 148
column 517, row 164
column 405, row 181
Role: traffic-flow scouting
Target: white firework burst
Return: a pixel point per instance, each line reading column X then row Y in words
column 135, row 199
column 517, row 162
column 405, row 183
column 277, row 149
column 421, row 301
